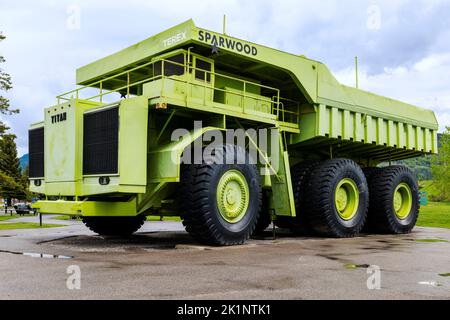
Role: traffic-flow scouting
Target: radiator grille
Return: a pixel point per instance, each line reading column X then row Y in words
column 36, row 153
column 100, row 142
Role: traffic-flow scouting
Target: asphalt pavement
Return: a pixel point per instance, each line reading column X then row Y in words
column 162, row 261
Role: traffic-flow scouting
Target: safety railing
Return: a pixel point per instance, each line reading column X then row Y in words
column 289, row 110
column 285, row 110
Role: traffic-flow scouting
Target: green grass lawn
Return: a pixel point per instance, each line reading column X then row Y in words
column 26, row 225
column 61, row 218
column 8, row 217
column 435, row 214
column 64, row 217
column 5, row 217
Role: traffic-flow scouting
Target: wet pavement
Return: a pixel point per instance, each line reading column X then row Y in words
column 162, row 261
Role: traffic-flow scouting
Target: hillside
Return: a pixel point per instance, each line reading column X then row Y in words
column 24, row 161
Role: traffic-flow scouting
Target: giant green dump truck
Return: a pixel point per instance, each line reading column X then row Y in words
column 229, row 135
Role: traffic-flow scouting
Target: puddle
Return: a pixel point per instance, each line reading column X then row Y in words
column 445, row 274
column 37, row 255
column 352, row 266
column 430, row 283
column 431, row 240
column 45, row 255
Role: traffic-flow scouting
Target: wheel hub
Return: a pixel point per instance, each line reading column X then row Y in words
column 402, row 201
column 232, row 196
column 346, row 199
column 341, row 199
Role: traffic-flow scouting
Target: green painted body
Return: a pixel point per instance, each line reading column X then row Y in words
column 246, row 86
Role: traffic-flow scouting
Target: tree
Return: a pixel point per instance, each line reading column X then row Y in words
column 10, row 169
column 6, row 184
column 9, row 161
column 26, row 183
column 5, row 85
column 440, row 168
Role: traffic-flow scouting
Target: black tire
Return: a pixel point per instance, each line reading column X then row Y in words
column 382, row 217
column 197, row 201
column 114, row 226
column 300, row 173
column 265, row 218
column 369, row 172
column 320, row 192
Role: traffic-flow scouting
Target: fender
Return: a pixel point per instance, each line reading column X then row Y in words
column 165, row 161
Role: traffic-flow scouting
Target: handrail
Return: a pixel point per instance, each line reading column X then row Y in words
column 276, row 100
column 126, row 72
column 90, row 85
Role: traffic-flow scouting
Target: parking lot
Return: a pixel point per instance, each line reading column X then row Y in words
column 162, row 261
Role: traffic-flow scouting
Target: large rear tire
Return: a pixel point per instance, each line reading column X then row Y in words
column 114, row 226
column 337, row 198
column 394, row 201
column 220, row 203
column 369, row 172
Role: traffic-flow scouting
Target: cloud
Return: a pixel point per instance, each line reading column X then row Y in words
column 403, row 45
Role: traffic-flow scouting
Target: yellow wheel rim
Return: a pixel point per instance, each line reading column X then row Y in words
column 346, row 199
column 402, row 201
column 233, row 196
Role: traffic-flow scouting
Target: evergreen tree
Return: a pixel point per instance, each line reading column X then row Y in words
column 10, row 168
column 9, row 161
column 25, row 182
column 7, row 186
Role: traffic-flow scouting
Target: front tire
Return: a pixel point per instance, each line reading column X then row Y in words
column 336, row 198
column 220, row 203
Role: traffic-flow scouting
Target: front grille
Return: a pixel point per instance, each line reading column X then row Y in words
column 101, row 142
column 36, row 153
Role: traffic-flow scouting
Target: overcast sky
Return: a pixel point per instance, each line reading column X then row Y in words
column 403, row 46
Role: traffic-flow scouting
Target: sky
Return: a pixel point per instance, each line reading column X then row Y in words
column 403, row 46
